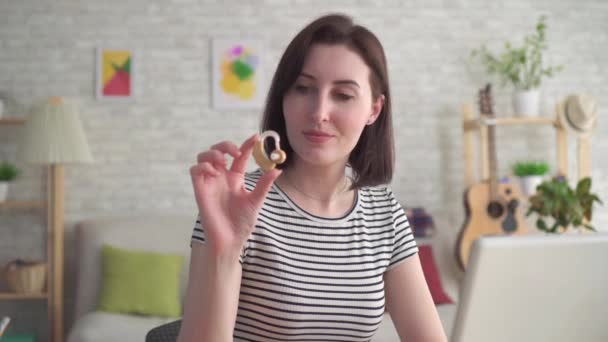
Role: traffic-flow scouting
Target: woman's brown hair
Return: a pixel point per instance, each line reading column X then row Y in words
column 372, row 159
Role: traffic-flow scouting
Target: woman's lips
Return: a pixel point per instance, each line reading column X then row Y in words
column 317, row 136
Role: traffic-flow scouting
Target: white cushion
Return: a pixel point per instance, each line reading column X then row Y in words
column 103, row 327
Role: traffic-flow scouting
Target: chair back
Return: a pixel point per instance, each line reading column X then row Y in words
column 165, row 333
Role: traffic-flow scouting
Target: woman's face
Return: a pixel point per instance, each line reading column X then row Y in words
column 329, row 105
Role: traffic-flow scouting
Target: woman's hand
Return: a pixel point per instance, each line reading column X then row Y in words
column 227, row 210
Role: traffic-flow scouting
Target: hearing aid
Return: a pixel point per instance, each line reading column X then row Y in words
column 277, row 156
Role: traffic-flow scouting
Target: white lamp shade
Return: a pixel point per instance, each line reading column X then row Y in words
column 53, row 134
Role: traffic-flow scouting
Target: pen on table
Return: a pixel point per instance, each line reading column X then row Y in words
column 3, row 324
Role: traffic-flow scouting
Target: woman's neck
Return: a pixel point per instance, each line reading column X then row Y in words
column 322, row 191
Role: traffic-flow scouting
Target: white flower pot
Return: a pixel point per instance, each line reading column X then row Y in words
column 526, row 102
column 529, row 184
column 3, row 191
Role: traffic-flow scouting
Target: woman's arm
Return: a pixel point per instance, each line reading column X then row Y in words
column 212, row 297
column 228, row 213
column 409, row 302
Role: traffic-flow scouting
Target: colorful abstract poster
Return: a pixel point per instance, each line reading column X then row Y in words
column 115, row 74
column 238, row 80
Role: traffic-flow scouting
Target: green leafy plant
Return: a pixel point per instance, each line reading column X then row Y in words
column 520, row 66
column 567, row 207
column 8, row 172
column 530, row 168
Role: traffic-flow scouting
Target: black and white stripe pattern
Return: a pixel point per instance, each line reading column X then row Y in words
column 308, row 278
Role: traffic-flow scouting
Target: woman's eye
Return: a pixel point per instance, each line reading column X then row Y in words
column 302, row 89
column 343, row 96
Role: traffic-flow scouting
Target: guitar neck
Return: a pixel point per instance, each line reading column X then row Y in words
column 491, row 126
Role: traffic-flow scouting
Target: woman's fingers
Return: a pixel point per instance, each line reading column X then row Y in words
column 213, row 156
column 209, row 170
column 227, row 147
column 200, row 171
column 239, row 165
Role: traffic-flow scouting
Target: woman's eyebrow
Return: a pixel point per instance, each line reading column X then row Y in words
column 303, row 74
column 347, row 82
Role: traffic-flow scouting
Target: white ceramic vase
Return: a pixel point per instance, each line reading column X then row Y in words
column 526, row 102
column 529, row 183
column 3, row 191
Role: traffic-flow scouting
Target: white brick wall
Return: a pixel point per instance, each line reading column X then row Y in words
column 143, row 149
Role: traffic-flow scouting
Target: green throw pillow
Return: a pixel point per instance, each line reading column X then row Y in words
column 145, row 283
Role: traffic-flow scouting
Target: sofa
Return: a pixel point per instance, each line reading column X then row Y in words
column 155, row 232
column 165, row 233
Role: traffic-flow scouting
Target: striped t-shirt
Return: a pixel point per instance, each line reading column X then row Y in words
column 309, row 278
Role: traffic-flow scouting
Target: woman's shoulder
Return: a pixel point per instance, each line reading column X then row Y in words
column 377, row 197
column 378, row 192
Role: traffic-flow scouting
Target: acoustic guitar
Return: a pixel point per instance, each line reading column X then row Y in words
column 492, row 207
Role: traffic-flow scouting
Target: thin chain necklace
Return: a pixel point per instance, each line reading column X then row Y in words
column 334, row 196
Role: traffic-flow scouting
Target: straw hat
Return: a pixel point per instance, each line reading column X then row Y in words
column 579, row 113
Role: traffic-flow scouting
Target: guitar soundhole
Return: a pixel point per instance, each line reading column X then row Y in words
column 495, row 209
column 509, row 225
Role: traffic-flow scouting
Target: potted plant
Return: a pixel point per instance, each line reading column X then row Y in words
column 522, row 67
column 567, row 208
column 8, row 172
column 530, row 175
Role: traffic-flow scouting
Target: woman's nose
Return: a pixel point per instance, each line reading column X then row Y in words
column 321, row 107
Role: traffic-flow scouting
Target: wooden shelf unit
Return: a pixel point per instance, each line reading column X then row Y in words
column 23, row 204
column 23, row 296
column 472, row 124
column 54, row 246
column 509, row 121
column 11, row 121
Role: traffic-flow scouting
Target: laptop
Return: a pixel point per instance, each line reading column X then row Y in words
column 535, row 288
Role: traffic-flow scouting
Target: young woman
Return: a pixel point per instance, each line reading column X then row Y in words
column 318, row 249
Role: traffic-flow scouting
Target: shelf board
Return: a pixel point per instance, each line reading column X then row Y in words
column 22, row 204
column 21, row 296
column 509, row 121
column 4, row 121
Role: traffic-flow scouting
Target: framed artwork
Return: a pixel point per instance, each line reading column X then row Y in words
column 238, row 80
column 115, row 74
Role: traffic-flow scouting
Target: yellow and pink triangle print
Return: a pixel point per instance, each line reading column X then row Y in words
column 115, row 73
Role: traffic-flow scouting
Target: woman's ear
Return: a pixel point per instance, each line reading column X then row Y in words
column 376, row 109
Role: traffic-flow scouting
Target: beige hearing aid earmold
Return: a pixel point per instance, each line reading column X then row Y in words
column 277, row 156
